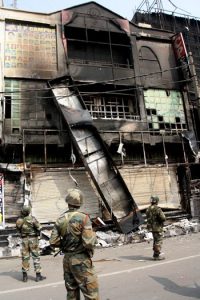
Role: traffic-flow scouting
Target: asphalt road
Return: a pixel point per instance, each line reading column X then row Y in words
column 125, row 273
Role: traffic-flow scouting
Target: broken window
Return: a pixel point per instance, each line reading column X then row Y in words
column 165, row 110
column 113, row 107
column 149, row 62
column 12, row 105
column 95, row 46
column 23, row 104
column 8, row 100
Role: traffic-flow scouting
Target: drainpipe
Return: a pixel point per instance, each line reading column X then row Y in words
column 24, row 147
column 143, row 147
column 45, row 149
column 194, row 86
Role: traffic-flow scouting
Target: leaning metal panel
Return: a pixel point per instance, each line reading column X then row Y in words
column 96, row 158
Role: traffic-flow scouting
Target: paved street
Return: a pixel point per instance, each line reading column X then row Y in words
column 127, row 272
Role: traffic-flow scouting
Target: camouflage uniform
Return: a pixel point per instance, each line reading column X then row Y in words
column 29, row 229
column 155, row 223
column 73, row 233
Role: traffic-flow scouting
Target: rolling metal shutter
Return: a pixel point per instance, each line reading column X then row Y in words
column 49, row 189
column 146, row 181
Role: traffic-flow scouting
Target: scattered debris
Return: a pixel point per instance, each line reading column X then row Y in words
column 109, row 238
column 13, row 242
column 182, row 227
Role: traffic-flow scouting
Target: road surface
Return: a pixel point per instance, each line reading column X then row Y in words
column 125, row 273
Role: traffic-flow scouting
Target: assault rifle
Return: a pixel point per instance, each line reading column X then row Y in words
column 63, row 244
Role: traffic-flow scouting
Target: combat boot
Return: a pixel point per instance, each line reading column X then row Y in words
column 39, row 277
column 161, row 256
column 25, row 277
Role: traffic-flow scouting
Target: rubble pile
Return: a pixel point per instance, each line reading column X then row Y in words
column 109, row 238
column 182, row 227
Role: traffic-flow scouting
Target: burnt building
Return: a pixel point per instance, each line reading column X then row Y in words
column 189, row 27
column 132, row 88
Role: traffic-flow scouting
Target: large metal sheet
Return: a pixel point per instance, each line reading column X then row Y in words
column 96, row 158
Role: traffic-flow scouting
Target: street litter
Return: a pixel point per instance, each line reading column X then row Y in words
column 109, row 238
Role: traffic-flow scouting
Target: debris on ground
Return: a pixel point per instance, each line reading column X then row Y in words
column 108, row 238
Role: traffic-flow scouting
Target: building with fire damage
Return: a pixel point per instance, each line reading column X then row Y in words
column 156, row 16
column 133, row 91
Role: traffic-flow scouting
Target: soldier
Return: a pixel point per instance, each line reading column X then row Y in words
column 29, row 229
column 74, row 235
column 155, row 223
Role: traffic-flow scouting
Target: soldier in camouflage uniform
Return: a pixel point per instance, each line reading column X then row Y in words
column 74, row 235
column 155, row 223
column 29, row 229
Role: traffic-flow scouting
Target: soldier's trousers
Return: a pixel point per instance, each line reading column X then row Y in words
column 157, row 243
column 30, row 248
column 79, row 275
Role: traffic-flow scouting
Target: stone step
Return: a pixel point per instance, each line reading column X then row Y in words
column 4, row 237
column 3, row 243
column 11, row 231
column 5, row 233
column 8, row 231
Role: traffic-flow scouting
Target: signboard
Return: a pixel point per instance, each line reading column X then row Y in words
column 2, row 216
column 181, row 54
column 29, row 46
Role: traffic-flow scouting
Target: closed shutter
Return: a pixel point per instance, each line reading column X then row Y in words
column 13, row 195
column 49, row 189
column 146, row 181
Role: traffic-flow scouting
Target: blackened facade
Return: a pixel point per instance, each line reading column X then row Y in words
column 130, row 83
column 187, row 26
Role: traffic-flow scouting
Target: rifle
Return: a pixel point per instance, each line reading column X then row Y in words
column 57, row 253
column 63, row 244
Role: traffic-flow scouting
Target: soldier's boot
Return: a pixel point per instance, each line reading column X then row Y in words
column 161, row 256
column 155, row 255
column 156, row 252
column 39, row 277
column 25, row 277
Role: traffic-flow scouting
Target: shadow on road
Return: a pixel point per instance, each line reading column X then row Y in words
column 192, row 292
column 16, row 275
column 137, row 257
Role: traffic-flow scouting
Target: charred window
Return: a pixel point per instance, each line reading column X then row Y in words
column 98, row 47
column 112, row 107
column 165, row 110
column 12, row 104
column 8, row 107
column 149, row 63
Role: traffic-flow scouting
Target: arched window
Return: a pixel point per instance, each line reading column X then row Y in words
column 149, row 63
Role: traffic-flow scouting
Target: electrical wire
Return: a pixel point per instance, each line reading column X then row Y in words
column 93, row 83
column 98, row 82
column 116, row 92
column 176, row 7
